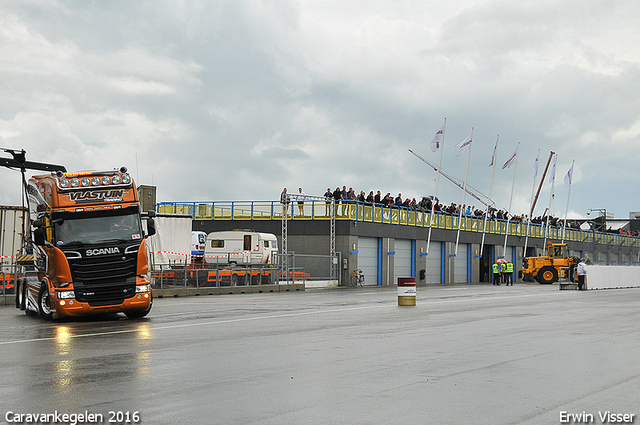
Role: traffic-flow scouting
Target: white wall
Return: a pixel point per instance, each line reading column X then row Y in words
column 602, row 277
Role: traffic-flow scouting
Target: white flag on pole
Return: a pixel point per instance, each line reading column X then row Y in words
column 552, row 177
column 493, row 157
column 568, row 177
column 464, row 145
column 511, row 160
column 536, row 165
column 437, row 139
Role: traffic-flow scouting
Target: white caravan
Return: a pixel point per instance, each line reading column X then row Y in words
column 240, row 247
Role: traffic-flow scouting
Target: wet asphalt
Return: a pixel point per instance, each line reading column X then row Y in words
column 471, row 354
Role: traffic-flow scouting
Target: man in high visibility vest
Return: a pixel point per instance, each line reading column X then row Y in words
column 496, row 273
column 509, row 273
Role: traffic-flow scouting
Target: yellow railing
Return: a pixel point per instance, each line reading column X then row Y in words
column 320, row 210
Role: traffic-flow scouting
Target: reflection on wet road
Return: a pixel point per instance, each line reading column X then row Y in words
column 469, row 354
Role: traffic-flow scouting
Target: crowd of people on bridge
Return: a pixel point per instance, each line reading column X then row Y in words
column 345, row 196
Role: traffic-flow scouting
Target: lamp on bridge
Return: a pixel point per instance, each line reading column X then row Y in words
column 601, row 221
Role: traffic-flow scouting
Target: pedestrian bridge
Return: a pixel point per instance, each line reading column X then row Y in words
column 399, row 216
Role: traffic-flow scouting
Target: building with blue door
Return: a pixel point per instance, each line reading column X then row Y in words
column 391, row 242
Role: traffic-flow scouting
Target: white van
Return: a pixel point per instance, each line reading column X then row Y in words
column 198, row 241
column 240, row 247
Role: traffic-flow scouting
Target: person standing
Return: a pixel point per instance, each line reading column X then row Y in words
column 582, row 275
column 509, row 273
column 300, row 197
column 345, row 199
column 284, row 199
column 328, row 196
column 496, row 273
column 369, row 199
column 377, row 199
column 337, row 196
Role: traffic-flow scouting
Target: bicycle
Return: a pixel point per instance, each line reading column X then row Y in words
column 357, row 278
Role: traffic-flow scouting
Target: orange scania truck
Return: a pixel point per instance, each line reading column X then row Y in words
column 88, row 246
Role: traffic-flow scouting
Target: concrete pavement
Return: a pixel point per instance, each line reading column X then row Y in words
column 469, row 354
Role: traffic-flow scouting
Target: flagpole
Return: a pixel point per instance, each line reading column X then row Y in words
column 506, row 232
column 493, row 173
column 551, row 195
column 533, row 188
column 464, row 192
column 435, row 189
column 566, row 211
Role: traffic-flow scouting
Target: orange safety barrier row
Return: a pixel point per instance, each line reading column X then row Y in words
column 8, row 278
column 212, row 276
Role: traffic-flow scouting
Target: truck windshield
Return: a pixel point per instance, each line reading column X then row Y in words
column 96, row 227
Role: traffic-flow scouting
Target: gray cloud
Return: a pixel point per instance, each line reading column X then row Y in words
column 232, row 100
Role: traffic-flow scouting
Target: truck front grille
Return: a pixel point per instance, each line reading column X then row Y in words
column 104, row 269
column 101, row 295
column 105, row 279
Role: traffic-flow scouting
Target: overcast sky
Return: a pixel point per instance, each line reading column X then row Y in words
column 234, row 100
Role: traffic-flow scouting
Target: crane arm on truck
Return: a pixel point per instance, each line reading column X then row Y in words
column 19, row 161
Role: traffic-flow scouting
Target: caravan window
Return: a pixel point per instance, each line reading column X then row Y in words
column 266, row 244
column 217, row 243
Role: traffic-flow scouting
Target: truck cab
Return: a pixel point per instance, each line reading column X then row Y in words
column 89, row 246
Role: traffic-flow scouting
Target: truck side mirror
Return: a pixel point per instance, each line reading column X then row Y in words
column 151, row 226
column 39, row 236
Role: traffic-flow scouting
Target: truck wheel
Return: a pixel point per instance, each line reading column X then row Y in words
column 138, row 314
column 44, row 303
column 18, row 290
column 547, row 275
column 23, row 290
column 23, row 295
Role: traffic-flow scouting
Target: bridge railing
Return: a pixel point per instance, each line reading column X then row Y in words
column 401, row 216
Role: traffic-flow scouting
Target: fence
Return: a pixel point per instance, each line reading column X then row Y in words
column 357, row 211
column 318, row 268
column 7, row 282
column 9, row 273
column 291, row 268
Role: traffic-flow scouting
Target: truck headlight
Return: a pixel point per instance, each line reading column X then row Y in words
column 65, row 295
column 143, row 288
